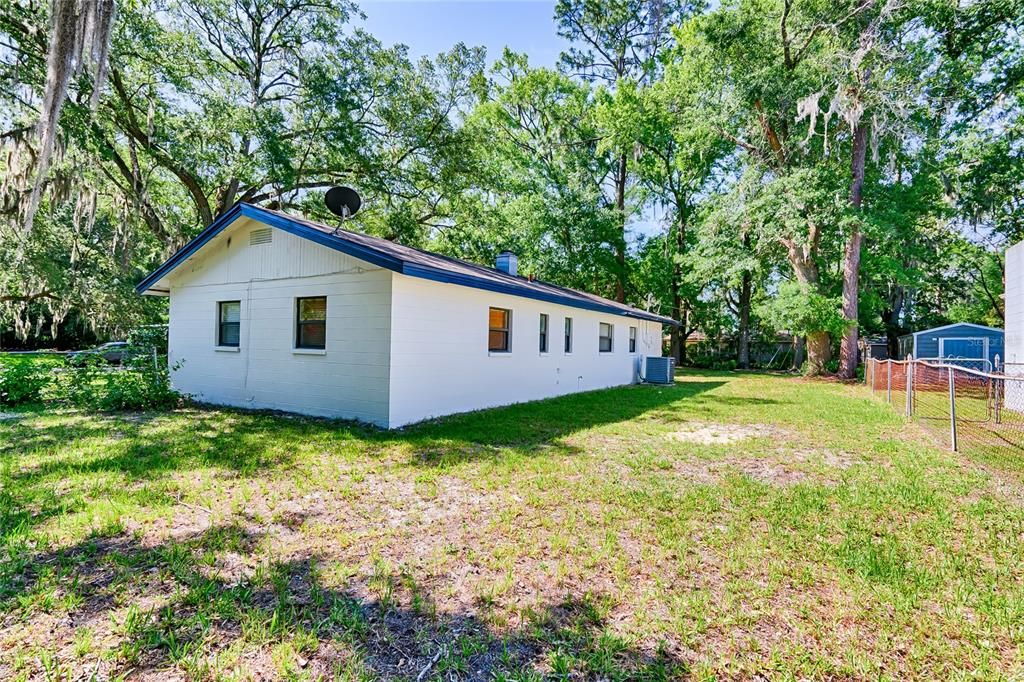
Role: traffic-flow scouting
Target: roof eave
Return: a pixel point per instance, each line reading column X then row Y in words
column 188, row 249
column 437, row 275
column 957, row 324
column 377, row 258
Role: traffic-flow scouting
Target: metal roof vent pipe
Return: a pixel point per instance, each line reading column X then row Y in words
column 508, row 262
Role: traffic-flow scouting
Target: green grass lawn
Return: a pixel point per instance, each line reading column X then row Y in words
column 730, row 526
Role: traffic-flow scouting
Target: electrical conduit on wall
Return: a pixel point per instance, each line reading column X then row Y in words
column 248, row 338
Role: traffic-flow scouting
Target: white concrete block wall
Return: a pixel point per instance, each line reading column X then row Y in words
column 440, row 362
column 1014, row 304
column 349, row 379
column 1014, row 326
column 399, row 349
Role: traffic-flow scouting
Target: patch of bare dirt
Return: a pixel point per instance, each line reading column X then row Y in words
column 779, row 467
column 723, row 434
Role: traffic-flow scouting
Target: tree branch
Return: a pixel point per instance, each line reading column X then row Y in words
column 28, row 298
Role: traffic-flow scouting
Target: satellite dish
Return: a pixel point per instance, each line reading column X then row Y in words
column 342, row 201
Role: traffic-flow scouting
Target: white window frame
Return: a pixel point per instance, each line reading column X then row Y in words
column 508, row 331
column 217, row 330
column 302, row 350
column 544, row 320
column 633, row 340
column 611, row 338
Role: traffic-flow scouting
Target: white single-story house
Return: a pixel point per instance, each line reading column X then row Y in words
column 271, row 311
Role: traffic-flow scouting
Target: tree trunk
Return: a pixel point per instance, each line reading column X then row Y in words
column 679, row 335
column 676, row 344
column 819, row 351
column 891, row 320
column 892, row 343
column 851, row 258
column 743, row 310
column 744, row 315
column 620, row 241
column 801, row 257
column 684, row 336
column 680, row 308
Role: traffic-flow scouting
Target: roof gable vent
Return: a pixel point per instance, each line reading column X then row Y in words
column 261, row 236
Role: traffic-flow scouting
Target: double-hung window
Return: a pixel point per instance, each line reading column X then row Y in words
column 543, row 333
column 499, row 333
column 311, row 322
column 605, row 337
column 632, row 339
column 567, row 346
column 229, row 317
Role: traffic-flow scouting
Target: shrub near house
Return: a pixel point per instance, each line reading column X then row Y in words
column 88, row 382
column 23, row 378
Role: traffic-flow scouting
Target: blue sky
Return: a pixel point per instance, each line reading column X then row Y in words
column 432, row 26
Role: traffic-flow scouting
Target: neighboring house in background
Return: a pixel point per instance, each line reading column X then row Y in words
column 272, row 311
column 876, row 348
column 961, row 340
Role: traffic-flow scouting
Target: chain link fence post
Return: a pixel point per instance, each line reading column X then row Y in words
column 952, row 409
column 910, row 386
column 997, row 391
column 888, row 388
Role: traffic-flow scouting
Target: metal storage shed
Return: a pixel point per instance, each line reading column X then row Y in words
column 961, row 341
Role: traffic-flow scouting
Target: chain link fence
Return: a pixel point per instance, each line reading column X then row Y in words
column 968, row 409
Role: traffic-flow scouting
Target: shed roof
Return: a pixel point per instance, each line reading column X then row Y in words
column 399, row 258
column 950, row 326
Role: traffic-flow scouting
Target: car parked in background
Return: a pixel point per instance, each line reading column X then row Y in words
column 114, row 352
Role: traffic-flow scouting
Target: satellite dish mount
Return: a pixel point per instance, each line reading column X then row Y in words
column 343, row 202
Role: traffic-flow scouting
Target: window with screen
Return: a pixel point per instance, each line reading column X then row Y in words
column 543, row 333
column 311, row 322
column 632, row 339
column 229, row 316
column 499, row 335
column 568, row 335
column 605, row 338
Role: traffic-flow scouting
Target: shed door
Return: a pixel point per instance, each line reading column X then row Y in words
column 963, row 348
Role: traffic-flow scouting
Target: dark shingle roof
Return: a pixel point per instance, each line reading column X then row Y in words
column 403, row 259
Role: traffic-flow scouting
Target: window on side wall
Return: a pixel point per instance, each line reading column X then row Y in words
column 605, row 337
column 543, row 333
column 499, row 334
column 632, row 339
column 311, row 322
column 229, row 316
column 568, row 335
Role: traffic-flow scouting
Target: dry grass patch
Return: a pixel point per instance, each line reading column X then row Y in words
column 723, row 434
